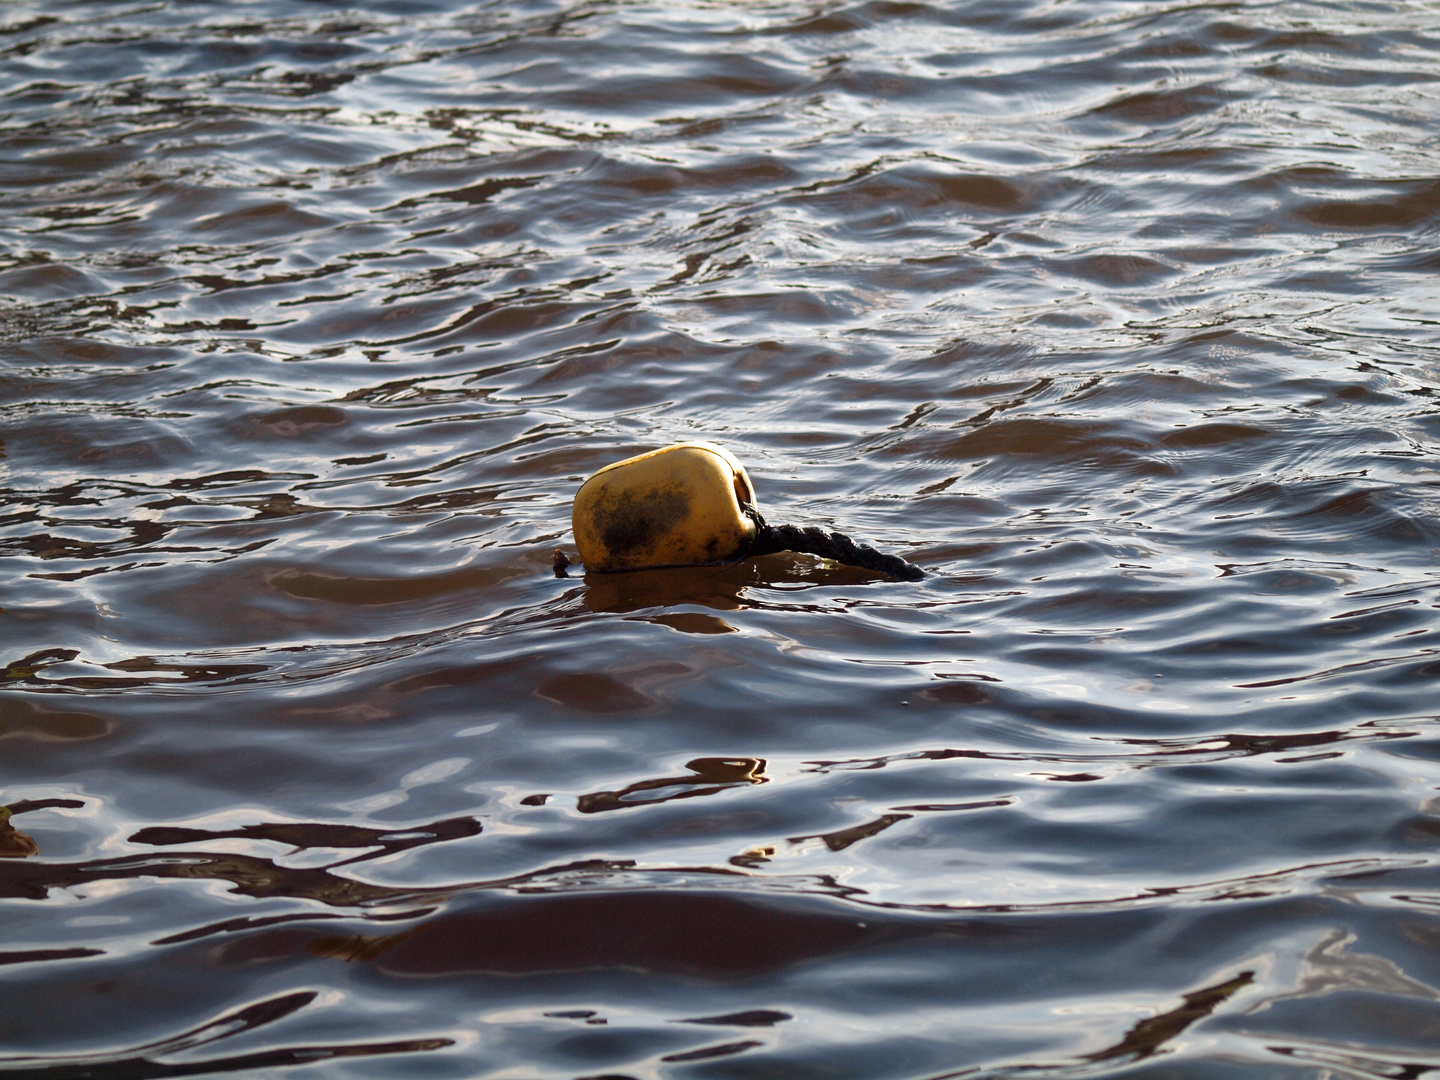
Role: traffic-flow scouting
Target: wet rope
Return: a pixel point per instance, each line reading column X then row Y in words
column 828, row 545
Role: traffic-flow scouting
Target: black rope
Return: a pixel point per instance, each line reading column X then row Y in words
column 828, row 545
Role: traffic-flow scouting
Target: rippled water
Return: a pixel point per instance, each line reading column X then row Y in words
column 1121, row 318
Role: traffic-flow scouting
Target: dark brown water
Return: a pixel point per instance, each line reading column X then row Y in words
column 1121, row 318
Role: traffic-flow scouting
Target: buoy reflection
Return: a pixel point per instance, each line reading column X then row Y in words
column 708, row 776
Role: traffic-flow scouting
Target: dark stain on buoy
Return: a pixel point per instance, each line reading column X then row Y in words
column 632, row 522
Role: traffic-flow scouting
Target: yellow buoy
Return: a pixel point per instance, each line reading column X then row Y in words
column 678, row 506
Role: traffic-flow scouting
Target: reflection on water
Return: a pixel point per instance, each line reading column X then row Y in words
column 708, row 776
column 250, row 876
column 1120, row 319
column 312, row 835
column 1150, row 1035
column 14, row 844
column 142, row 1063
column 1329, row 968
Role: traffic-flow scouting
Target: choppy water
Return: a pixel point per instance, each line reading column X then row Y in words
column 1121, row 318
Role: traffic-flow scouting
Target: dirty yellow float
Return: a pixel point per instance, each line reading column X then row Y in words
column 692, row 504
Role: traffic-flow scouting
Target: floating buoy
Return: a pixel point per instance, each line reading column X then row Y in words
column 692, row 504
column 680, row 506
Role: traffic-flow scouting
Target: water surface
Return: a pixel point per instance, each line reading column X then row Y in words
column 1120, row 318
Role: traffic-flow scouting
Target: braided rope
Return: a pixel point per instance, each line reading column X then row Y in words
column 828, row 545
